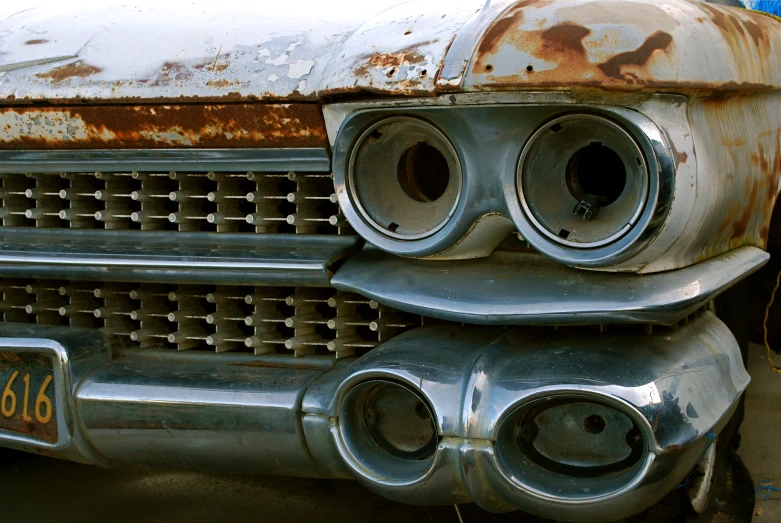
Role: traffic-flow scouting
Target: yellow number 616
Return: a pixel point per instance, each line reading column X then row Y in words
column 43, row 405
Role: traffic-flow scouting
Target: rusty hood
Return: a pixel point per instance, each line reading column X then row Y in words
column 223, row 51
column 242, row 50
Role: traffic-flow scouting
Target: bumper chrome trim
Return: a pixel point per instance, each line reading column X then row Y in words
column 529, row 289
column 680, row 387
column 163, row 257
column 312, row 159
column 281, row 415
column 228, row 414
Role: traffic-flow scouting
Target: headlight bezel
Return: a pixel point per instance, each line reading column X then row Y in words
column 489, row 141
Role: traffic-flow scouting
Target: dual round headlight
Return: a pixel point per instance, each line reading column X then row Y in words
column 580, row 187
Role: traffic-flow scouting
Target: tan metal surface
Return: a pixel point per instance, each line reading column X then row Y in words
column 737, row 153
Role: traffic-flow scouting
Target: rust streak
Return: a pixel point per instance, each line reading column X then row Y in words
column 35, row 42
column 498, row 30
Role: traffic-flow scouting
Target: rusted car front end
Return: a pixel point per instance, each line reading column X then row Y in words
column 458, row 251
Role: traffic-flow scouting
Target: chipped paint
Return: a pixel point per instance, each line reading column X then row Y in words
column 626, row 44
column 147, row 51
column 236, row 125
column 76, row 69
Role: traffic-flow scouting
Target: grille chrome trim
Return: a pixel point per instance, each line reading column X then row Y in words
column 311, row 159
column 163, row 257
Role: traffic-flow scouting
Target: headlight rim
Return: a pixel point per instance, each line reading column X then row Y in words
column 658, row 155
column 351, row 185
column 526, row 150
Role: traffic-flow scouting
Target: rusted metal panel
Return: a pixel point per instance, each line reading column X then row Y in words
column 628, row 45
column 161, row 126
column 737, row 140
column 237, row 50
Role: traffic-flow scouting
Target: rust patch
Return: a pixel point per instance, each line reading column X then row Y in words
column 751, row 214
column 659, row 41
column 222, row 82
column 565, row 38
column 498, row 30
column 737, row 29
column 718, row 17
column 769, row 166
column 35, row 42
column 76, row 69
column 388, row 60
column 733, row 143
column 163, row 126
column 680, row 157
column 578, row 51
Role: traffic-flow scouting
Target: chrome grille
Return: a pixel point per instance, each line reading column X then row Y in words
column 250, row 202
column 262, row 320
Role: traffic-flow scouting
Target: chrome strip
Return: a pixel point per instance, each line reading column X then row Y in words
column 235, row 413
column 529, row 289
column 184, row 257
column 460, row 51
column 265, row 160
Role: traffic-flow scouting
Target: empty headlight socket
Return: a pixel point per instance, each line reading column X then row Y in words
column 583, row 180
column 404, row 177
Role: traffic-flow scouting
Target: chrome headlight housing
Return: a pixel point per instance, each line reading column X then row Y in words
column 586, row 185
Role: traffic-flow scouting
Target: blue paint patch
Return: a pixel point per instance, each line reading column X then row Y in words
column 765, row 489
column 769, row 6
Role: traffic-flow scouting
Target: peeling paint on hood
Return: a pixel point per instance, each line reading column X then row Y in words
column 224, row 51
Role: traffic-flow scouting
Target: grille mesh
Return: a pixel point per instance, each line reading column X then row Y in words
column 249, row 319
column 292, row 202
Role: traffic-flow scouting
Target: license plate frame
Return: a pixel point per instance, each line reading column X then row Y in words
column 28, row 395
column 74, row 354
column 57, row 390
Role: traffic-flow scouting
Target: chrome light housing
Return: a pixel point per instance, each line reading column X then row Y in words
column 404, row 177
column 583, row 180
column 388, row 430
column 594, row 188
column 588, row 186
column 572, row 447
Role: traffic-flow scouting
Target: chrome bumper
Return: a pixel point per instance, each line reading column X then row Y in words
column 278, row 415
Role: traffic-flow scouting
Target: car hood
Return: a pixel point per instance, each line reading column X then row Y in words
column 233, row 49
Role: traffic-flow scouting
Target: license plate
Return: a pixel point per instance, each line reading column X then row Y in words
column 28, row 403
